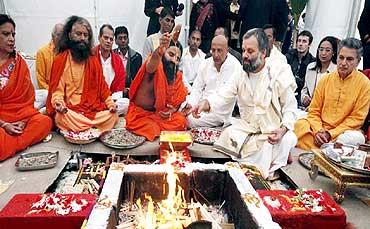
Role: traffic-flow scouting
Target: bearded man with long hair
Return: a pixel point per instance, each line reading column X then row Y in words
column 79, row 97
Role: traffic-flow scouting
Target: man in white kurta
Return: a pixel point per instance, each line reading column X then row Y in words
column 191, row 59
column 213, row 74
column 265, row 93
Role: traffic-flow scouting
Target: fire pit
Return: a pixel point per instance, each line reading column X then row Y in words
column 197, row 196
column 179, row 195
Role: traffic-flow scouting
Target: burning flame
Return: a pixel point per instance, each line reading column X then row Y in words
column 169, row 213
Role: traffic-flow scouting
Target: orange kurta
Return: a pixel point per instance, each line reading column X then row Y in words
column 147, row 123
column 44, row 61
column 16, row 104
column 83, row 90
column 338, row 105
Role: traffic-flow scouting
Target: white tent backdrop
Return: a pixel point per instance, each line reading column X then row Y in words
column 35, row 19
column 332, row 18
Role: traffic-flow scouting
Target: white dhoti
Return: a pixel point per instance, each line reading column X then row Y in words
column 271, row 157
column 351, row 137
column 205, row 120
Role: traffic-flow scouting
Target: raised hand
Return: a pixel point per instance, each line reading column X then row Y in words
column 176, row 33
column 164, row 43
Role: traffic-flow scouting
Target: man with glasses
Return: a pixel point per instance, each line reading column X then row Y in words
column 340, row 103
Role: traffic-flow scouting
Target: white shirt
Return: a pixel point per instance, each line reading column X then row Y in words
column 209, row 79
column 108, row 70
column 189, row 66
column 150, row 44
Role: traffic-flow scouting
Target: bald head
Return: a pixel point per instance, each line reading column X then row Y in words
column 57, row 32
column 219, row 50
column 220, row 40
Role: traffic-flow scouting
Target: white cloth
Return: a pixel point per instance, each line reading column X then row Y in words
column 271, row 105
column 122, row 105
column 313, row 77
column 351, row 137
column 208, row 81
column 276, row 55
column 108, row 70
column 40, row 98
column 189, row 66
column 150, row 44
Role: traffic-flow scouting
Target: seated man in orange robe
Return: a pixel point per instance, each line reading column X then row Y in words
column 21, row 124
column 157, row 92
column 340, row 103
column 78, row 91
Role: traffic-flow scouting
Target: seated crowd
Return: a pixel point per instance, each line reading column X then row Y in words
column 172, row 88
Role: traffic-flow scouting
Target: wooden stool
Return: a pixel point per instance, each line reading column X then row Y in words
column 342, row 177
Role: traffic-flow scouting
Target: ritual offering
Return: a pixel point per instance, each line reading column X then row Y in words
column 121, row 139
column 204, row 135
column 37, row 160
column 175, row 142
column 46, row 211
column 348, row 157
column 91, row 176
column 303, row 209
column 83, row 137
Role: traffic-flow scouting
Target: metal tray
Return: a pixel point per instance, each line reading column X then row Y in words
column 140, row 139
column 348, row 167
column 77, row 141
column 26, row 161
column 200, row 141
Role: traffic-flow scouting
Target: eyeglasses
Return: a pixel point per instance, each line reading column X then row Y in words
column 325, row 49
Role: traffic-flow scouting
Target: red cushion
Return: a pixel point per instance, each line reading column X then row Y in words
column 14, row 214
column 332, row 217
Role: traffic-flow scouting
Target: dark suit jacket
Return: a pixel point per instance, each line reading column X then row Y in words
column 149, row 10
column 364, row 22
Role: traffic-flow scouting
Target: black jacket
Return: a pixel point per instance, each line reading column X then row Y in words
column 364, row 22
column 299, row 69
column 256, row 14
column 149, row 10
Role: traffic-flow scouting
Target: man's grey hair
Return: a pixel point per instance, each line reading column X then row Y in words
column 352, row 43
column 262, row 39
column 53, row 33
